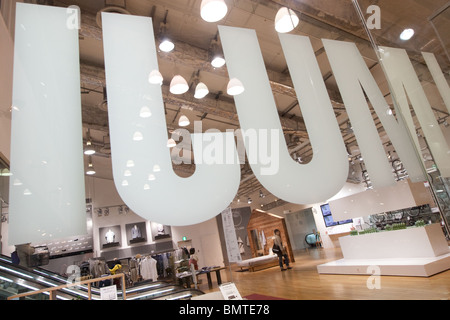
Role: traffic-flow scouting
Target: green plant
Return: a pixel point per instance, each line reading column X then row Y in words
column 420, row 223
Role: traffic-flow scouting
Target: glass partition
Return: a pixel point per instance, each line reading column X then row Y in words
column 413, row 54
column 344, row 116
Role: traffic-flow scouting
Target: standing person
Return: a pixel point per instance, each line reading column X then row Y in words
column 193, row 258
column 280, row 250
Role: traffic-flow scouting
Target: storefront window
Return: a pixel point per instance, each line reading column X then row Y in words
column 422, row 100
column 328, row 132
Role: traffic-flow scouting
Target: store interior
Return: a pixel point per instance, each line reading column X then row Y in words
column 157, row 256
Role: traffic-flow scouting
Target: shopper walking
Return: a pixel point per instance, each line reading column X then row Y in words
column 280, row 250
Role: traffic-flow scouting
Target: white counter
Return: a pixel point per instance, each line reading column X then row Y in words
column 416, row 242
column 421, row 251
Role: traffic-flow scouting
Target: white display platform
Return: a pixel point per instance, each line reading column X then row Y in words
column 421, row 251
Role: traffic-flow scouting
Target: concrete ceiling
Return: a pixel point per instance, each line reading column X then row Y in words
column 336, row 19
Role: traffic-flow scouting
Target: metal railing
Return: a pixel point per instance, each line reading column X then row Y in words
column 52, row 291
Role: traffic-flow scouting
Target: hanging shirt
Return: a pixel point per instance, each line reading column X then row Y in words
column 148, row 269
column 110, row 236
column 135, row 232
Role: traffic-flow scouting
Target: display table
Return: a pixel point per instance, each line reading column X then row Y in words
column 186, row 276
column 208, row 275
column 417, row 251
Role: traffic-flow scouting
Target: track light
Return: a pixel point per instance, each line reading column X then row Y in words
column 249, row 200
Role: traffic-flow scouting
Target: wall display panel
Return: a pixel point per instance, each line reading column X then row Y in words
column 110, row 237
column 160, row 231
column 136, row 232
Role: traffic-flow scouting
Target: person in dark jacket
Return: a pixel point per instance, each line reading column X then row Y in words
column 282, row 252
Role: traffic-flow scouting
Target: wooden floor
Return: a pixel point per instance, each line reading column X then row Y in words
column 303, row 282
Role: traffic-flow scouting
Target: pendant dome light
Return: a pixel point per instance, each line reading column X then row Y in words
column 171, row 143
column 166, row 44
column 218, row 61
column 286, row 20
column 178, row 85
column 216, row 53
column 90, row 170
column 183, row 121
column 407, row 34
column 201, row 90
column 89, row 149
column 137, row 136
column 235, row 87
column 155, row 77
column 145, row 112
column 213, row 10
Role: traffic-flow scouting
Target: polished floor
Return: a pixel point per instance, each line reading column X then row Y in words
column 303, row 282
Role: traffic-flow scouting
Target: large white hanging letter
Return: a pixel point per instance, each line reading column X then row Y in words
column 151, row 188
column 257, row 111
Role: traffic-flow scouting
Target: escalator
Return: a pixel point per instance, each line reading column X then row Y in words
column 16, row 279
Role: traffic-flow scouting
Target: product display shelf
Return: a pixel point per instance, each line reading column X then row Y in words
column 416, row 251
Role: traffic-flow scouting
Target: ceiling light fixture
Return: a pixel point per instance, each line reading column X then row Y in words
column 171, row 143
column 249, row 200
column 407, row 34
column 286, row 20
column 213, row 10
column 201, row 90
column 178, row 85
column 145, row 112
column 218, row 61
column 89, row 150
column 137, row 136
column 216, row 53
column 155, row 77
column 183, row 121
column 166, row 44
column 235, row 87
column 90, row 170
